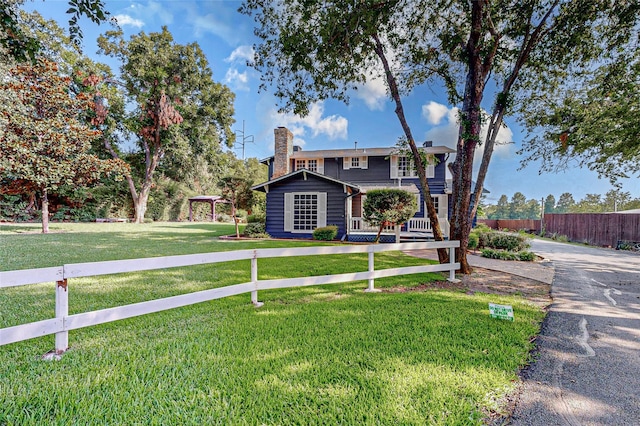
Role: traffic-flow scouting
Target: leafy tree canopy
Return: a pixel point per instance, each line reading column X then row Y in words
column 182, row 117
column 593, row 122
column 46, row 140
column 384, row 207
column 22, row 46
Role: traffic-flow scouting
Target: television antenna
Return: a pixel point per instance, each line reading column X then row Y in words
column 243, row 139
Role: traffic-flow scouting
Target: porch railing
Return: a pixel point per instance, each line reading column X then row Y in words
column 416, row 224
column 359, row 224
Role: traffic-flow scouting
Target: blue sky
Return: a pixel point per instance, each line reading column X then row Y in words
column 226, row 37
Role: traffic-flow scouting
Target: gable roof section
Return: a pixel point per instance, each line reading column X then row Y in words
column 371, row 152
column 360, row 152
column 264, row 187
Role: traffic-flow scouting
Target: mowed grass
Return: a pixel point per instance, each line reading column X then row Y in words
column 315, row 355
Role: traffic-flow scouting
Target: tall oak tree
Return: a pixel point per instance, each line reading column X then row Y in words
column 181, row 115
column 314, row 50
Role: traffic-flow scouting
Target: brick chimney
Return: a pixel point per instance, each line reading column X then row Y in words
column 283, row 150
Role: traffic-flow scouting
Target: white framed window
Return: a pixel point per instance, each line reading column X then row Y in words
column 313, row 165
column 441, row 204
column 403, row 166
column 406, row 167
column 305, row 211
column 361, row 162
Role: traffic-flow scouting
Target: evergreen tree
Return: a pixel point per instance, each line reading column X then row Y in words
column 565, row 203
column 550, row 204
column 518, row 206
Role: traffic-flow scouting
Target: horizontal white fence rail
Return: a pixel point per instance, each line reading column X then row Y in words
column 63, row 322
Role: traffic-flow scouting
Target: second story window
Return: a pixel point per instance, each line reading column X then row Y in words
column 403, row 167
column 355, row 163
column 313, row 165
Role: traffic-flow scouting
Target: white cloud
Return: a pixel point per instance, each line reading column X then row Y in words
column 124, row 20
column 241, row 53
column 434, row 112
column 152, row 9
column 373, row 93
column 237, row 80
column 215, row 24
column 333, row 126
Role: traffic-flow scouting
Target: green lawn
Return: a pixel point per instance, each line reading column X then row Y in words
column 318, row 355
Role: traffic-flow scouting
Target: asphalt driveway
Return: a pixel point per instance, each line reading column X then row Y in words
column 587, row 370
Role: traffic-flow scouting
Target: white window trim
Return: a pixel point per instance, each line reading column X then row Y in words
column 430, row 170
column 443, row 206
column 305, row 162
column 289, row 213
column 364, row 163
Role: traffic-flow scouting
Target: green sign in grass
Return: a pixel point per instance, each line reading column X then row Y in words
column 504, row 312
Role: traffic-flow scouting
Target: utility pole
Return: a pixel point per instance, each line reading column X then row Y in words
column 243, row 139
column 542, row 216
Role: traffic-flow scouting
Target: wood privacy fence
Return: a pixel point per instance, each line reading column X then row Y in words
column 529, row 225
column 598, row 229
column 61, row 275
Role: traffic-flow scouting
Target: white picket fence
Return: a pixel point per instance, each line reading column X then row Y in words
column 63, row 322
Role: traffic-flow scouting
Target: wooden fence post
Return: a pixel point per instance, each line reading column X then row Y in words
column 254, row 279
column 62, row 311
column 370, row 288
column 452, row 260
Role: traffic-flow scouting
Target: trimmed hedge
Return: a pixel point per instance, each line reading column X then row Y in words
column 525, row 256
column 326, row 233
column 257, row 218
column 255, row 230
column 501, row 240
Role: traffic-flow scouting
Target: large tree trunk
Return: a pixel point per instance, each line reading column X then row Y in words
column 495, row 123
column 140, row 202
column 469, row 132
column 45, row 212
column 443, row 255
column 141, row 198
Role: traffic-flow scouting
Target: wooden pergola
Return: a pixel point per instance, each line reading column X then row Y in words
column 211, row 199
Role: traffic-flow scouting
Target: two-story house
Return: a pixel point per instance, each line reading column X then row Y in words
column 311, row 189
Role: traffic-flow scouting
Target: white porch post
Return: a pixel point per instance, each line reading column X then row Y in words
column 349, row 207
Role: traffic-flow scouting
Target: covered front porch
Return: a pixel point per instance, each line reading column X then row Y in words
column 417, row 228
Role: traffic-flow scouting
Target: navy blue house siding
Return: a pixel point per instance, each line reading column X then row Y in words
column 336, row 198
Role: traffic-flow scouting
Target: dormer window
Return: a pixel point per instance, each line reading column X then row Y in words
column 355, row 162
column 403, row 167
column 313, row 165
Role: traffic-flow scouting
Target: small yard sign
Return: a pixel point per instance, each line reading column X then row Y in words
column 504, row 312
